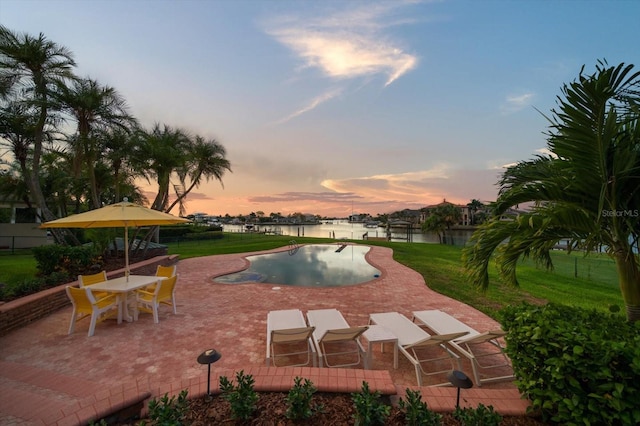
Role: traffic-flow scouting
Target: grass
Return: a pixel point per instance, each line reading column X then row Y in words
column 17, row 266
column 594, row 287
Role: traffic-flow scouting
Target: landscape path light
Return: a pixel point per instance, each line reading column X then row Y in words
column 461, row 381
column 208, row 357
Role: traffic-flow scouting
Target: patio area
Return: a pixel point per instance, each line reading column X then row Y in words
column 48, row 377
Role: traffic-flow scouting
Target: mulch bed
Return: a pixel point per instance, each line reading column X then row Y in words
column 337, row 409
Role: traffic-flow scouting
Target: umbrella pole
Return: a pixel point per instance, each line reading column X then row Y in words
column 126, row 252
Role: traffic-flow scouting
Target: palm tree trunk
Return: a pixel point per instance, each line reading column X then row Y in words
column 629, row 277
column 195, row 181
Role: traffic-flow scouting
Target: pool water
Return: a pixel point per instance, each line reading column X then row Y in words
column 318, row 265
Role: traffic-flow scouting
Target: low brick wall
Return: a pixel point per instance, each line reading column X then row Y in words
column 20, row 312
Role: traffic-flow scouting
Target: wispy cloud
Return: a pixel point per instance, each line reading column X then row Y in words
column 421, row 187
column 516, row 102
column 348, row 54
column 312, row 104
column 348, row 44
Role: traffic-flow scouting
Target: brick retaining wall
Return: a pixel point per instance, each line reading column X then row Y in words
column 20, row 312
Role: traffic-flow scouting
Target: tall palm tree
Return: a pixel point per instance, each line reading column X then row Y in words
column 35, row 64
column 58, row 185
column 17, row 129
column 118, row 149
column 159, row 154
column 586, row 191
column 94, row 107
column 206, row 159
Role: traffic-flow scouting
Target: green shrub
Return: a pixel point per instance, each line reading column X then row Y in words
column 369, row 409
column 175, row 231
column 576, row 366
column 169, row 411
column 242, row 397
column 57, row 258
column 299, row 400
column 33, row 285
column 416, row 412
column 480, row 416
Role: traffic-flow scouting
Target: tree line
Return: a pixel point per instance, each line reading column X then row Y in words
column 69, row 143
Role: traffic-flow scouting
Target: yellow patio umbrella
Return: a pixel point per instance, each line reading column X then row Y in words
column 123, row 214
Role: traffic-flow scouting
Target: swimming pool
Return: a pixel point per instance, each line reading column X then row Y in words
column 317, row 265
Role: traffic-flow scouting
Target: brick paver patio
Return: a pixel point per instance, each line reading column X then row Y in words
column 50, row 378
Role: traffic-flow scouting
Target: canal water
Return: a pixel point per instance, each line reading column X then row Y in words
column 343, row 229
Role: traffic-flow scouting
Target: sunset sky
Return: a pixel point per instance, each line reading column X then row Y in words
column 334, row 107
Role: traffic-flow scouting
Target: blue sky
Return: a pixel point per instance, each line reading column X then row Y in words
column 334, row 107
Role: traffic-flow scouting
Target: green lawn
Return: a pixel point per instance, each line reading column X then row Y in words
column 594, row 287
column 18, row 266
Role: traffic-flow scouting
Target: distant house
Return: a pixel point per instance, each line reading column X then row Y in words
column 20, row 226
column 407, row 215
column 466, row 215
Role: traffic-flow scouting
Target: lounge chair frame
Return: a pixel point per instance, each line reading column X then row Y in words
column 333, row 331
column 412, row 338
column 441, row 322
column 288, row 327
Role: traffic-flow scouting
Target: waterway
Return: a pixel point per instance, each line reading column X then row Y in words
column 343, row 229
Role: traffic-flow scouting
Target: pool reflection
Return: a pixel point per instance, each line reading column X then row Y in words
column 319, row 265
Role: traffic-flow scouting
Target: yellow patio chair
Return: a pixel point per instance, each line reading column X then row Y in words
column 162, row 271
column 88, row 280
column 164, row 292
column 165, row 271
column 86, row 304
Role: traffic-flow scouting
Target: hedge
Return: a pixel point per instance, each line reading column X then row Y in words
column 576, row 366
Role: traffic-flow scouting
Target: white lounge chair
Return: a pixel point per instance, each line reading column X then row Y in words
column 443, row 323
column 412, row 338
column 287, row 331
column 334, row 338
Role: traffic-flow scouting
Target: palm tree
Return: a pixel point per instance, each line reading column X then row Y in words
column 206, row 159
column 434, row 223
column 59, row 186
column 587, row 190
column 17, row 129
column 94, row 107
column 36, row 64
column 160, row 153
column 118, row 148
column 441, row 218
column 474, row 205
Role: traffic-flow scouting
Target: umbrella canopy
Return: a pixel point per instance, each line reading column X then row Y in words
column 115, row 216
column 124, row 214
